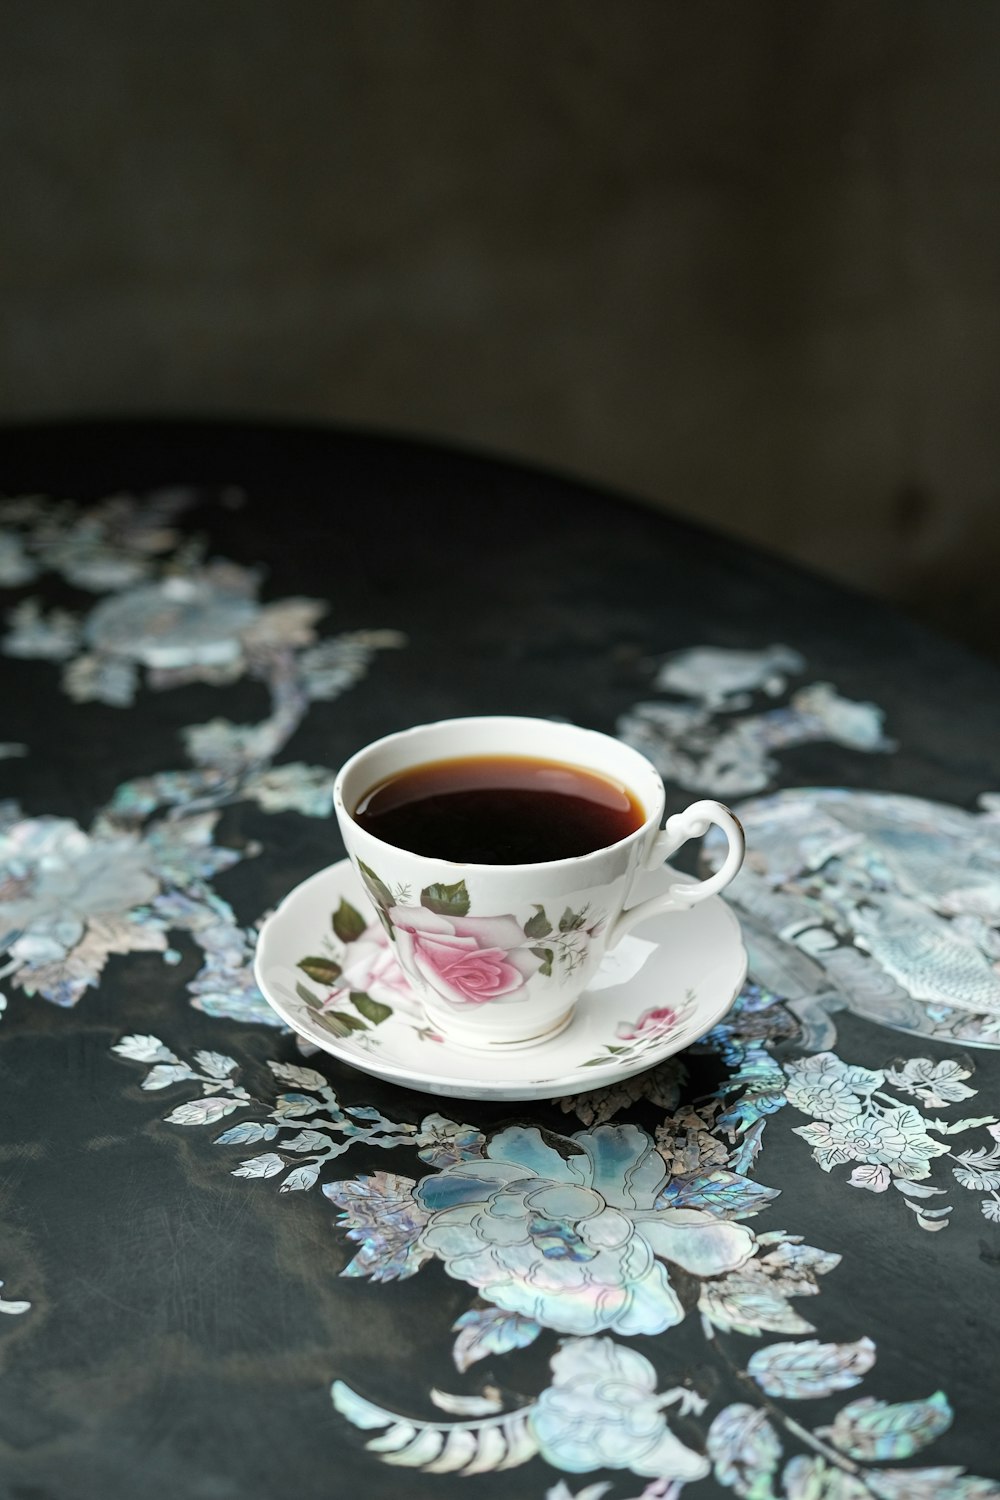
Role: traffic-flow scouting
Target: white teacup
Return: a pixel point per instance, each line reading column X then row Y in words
column 499, row 954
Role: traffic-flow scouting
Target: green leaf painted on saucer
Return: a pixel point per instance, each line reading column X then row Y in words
column 348, row 923
column 323, row 970
column 372, row 1010
column 339, row 1022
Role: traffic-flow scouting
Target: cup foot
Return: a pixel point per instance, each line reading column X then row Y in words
column 468, row 1044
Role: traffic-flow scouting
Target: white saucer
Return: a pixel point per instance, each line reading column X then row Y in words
column 688, row 967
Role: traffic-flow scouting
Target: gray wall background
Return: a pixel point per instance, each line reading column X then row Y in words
column 740, row 257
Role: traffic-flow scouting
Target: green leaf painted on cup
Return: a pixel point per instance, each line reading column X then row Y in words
column 546, row 955
column 372, row 1010
column 539, row 925
column 386, row 921
column 348, row 923
column 323, row 970
column 571, row 920
column 379, row 890
column 446, row 900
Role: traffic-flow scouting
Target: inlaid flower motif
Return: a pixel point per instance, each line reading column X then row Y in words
column 201, row 624
column 573, row 1238
column 602, row 1411
column 195, row 620
column 892, row 1137
column 54, row 878
column 828, row 1089
column 68, row 899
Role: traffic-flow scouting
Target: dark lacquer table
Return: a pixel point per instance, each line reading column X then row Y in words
column 234, row 1267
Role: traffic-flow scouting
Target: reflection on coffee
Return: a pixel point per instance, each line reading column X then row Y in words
column 499, row 810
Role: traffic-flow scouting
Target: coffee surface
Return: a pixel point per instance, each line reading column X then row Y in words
column 499, row 810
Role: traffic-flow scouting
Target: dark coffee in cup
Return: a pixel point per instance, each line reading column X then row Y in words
column 499, row 810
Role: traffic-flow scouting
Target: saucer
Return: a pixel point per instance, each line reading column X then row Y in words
column 325, row 965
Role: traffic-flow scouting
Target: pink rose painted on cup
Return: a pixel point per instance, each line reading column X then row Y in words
column 464, row 960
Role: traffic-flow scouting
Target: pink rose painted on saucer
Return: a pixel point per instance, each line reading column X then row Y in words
column 640, row 1038
column 369, row 966
column 361, row 981
column 651, row 1025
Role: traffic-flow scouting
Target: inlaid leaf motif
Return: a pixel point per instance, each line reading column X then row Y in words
column 467, row 1406
column 813, row 1478
column 443, row 1142
column 792, row 1259
column 246, row 1133
column 875, row 1178
column 916, row 1189
column 164, row 1074
column 801, row 1371
column 300, row 1178
column 931, row 1219
column 490, row 1330
column 307, row 1140
column 956, row 1127
column 303, row 1078
column 215, row 1064
column 466, row 1448
column 979, row 1169
column 754, row 1298
column 745, row 1451
column 727, row 1194
column 268, row 1165
column 742, row 1158
column 749, row 1304
column 9, row 1305
column 935, row 1084
column 202, row 1111
column 562, row 1491
column 875, row 1430
column 146, row 1049
column 293, row 1106
column 947, row 1483
column 381, row 1215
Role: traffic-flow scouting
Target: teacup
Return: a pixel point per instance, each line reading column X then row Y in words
column 499, row 954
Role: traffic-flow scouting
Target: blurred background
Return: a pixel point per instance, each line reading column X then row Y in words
column 739, row 258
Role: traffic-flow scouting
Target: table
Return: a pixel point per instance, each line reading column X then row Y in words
column 229, row 1266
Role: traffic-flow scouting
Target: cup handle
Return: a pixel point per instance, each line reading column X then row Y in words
column 692, row 823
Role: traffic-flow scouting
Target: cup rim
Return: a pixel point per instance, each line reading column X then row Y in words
column 652, row 819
